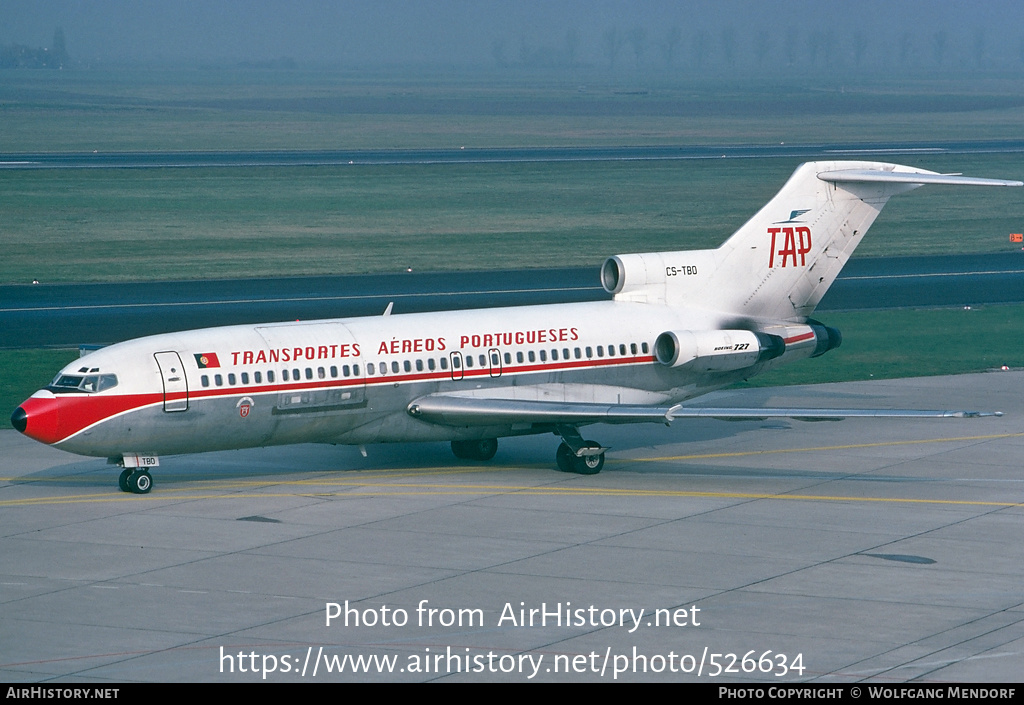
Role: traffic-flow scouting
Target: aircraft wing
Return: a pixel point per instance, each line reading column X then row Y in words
column 451, row 410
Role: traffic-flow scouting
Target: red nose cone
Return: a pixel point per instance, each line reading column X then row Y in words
column 37, row 419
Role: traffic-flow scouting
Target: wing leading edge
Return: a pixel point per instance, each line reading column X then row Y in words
column 450, row 410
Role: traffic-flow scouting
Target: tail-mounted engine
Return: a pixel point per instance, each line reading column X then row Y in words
column 658, row 277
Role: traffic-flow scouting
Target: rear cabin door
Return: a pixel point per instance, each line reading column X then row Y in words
column 172, row 372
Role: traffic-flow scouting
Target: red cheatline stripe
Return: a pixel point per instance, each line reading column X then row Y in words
column 78, row 412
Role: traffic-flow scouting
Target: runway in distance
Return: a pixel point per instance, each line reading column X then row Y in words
column 679, row 325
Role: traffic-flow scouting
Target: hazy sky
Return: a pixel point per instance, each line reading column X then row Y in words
column 482, row 32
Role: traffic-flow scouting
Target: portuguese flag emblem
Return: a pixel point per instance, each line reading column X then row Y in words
column 205, row 360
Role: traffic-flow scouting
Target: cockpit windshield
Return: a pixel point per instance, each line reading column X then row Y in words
column 82, row 383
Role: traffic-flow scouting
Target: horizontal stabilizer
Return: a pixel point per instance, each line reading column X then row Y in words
column 867, row 176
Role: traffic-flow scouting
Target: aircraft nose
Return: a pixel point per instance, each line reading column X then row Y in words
column 19, row 419
column 37, row 417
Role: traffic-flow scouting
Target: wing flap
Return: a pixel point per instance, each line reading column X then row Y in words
column 820, row 414
column 477, row 411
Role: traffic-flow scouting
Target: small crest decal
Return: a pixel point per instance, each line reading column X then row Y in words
column 244, row 405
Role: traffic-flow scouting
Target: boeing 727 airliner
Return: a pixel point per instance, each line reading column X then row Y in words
column 680, row 324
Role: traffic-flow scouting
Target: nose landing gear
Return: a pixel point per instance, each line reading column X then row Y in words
column 135, row 480
column 135, row 477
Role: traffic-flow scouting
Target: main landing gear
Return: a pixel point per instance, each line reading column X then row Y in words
column 577, row 455
column 574, row 454
column 588, row 464
column 135, row 480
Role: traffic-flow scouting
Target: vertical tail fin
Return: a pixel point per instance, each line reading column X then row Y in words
column 783, row 260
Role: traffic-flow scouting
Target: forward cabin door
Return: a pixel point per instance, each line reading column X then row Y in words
column 172, row 372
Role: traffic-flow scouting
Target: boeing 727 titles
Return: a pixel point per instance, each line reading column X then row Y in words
column 680, row 324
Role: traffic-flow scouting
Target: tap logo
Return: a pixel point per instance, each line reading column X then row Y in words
column 793, row 215
column 795, row 242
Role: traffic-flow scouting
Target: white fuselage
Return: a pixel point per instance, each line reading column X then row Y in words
column 351, row 381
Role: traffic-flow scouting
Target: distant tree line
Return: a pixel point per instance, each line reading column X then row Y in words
column 19, row 56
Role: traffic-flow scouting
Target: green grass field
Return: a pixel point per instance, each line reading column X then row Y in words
column 111, row 225
column 103, row 225
column 151, row 109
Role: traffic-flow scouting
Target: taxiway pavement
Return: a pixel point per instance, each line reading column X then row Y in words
column 862, row 550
